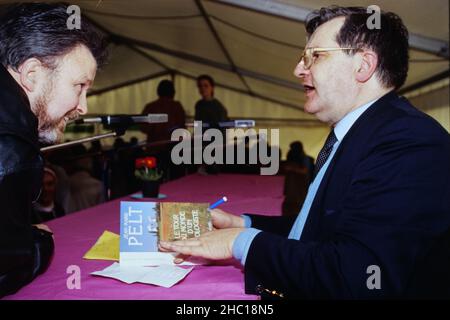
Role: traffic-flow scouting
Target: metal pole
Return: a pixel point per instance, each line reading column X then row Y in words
column 71, row 143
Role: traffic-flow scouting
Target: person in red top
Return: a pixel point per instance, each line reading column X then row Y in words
column 158, row 133
column 164, row 104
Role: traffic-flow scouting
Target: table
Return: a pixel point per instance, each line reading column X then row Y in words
column 76, row 233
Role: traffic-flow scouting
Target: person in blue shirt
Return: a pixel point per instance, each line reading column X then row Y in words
column 376, row 219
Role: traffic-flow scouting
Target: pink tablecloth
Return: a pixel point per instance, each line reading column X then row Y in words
column 76, row 233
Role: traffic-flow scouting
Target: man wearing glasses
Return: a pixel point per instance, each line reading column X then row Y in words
column 375, row 222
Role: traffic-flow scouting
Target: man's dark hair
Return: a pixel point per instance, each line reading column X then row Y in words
column 390, row 42
column 166, row 89
column 39, row 30
column 207, row 78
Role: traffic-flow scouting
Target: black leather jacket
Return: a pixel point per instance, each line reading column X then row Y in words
column 25, row 251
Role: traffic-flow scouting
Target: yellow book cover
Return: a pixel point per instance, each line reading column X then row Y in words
column 183, row 220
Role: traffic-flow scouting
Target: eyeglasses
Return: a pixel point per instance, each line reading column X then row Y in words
column 308, row 55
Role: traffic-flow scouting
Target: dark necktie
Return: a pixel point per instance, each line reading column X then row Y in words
column 325, row 152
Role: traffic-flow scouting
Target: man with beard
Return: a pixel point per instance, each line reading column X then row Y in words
column 45, row 72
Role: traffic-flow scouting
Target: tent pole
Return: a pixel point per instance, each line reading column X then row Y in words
column 221, row 45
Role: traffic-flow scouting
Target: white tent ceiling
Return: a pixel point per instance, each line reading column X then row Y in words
column 242, row 47
column 250, row 47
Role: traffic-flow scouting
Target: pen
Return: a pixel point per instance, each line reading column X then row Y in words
column 217, row 203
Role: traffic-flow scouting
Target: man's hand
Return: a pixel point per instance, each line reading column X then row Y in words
column 43, row 227
column 214, row 245
column 222, row 220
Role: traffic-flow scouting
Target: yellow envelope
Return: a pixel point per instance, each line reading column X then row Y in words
column 106, row 248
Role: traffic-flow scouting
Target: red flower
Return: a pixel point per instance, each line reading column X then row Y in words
column 147, row 162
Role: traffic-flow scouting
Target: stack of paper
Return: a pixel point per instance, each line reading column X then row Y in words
column 165, row 276
column 164, row 273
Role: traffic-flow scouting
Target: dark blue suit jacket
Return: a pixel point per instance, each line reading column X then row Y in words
column 384, row 201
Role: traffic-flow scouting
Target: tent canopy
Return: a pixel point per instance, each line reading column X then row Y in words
column 244, row 45
column 250, row 48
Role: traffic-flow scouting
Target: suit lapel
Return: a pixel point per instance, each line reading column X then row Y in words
column 337, row 178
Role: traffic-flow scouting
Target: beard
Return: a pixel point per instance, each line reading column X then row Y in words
column 50, row 130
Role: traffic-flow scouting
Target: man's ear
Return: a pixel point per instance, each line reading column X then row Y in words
column 30, row 71
column 367, row 65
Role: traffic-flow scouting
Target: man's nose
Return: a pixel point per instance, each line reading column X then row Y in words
column 82, row 105
column 300, row 71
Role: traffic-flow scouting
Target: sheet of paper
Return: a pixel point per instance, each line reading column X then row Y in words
column 106, row 247
column 164, row 276
column 156, row 259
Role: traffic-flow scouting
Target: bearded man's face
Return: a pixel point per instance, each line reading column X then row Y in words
column 63, row 96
